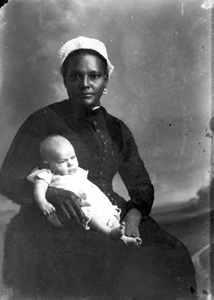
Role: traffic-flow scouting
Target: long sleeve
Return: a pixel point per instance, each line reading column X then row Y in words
column 22, row 157
column 135, row 175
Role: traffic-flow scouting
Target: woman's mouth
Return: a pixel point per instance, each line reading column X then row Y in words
column 84, row 95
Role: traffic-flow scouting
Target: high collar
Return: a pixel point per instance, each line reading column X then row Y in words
column 81, row 112
column 66, row 110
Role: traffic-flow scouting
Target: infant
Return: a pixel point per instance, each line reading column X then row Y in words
column 61, row 170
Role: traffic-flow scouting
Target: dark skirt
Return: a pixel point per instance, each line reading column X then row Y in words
column 45, row 262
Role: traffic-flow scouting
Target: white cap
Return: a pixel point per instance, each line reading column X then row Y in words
column 82, row 42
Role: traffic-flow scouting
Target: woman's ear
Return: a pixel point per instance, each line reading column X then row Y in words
column 106, row 80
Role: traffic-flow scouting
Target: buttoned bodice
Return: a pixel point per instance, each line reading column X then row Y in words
column 101, row 154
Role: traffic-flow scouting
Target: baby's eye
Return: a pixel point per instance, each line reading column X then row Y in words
column 62, row 162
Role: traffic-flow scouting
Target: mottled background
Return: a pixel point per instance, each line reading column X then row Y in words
column 161, row 88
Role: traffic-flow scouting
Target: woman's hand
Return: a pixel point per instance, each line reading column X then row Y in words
column 67, row 205
column 132, row 221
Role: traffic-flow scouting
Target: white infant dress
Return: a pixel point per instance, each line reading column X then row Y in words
column 93, row 199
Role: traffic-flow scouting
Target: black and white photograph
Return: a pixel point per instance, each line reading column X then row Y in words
column 120, row 94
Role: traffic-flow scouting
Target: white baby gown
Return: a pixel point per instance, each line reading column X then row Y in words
column 93, row 199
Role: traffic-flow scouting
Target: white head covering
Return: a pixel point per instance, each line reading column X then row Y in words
column 82, row 42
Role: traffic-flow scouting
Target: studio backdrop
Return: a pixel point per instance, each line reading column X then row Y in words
column 160, row 87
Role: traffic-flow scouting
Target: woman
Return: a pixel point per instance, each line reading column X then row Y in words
column 58, row 263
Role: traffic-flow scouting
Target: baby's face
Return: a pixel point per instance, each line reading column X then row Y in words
column 63, row 161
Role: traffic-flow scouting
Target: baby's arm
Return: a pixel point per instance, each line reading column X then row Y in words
column 40, row 189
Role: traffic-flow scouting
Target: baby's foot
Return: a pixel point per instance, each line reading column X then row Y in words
column 47, row 208
column 117, row 232
column 132, row 241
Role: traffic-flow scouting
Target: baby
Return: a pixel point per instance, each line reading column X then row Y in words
column 61, row 170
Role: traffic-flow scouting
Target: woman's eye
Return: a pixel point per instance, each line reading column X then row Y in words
column 95, row 76
column 74, row 76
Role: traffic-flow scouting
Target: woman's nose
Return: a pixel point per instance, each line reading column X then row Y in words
column 85, row 82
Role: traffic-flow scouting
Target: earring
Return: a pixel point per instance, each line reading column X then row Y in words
column 105, row 91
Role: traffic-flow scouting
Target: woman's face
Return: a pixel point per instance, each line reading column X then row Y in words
column 85, row 80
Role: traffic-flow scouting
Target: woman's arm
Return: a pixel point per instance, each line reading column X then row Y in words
column 138, row 184
column 22, row 157
column 135, row 176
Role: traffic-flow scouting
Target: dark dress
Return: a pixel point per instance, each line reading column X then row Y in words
column 45, row 262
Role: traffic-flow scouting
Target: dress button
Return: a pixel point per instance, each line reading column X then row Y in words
column 98, row 130
column 105, row 150
column 95, row 122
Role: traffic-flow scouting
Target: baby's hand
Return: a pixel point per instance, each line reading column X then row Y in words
column 82, row 195
column 47, row 208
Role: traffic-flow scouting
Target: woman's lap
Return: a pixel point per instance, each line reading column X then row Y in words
column 168, row 265
column 77, row 262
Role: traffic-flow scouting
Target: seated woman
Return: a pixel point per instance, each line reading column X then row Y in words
column 42, row 261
